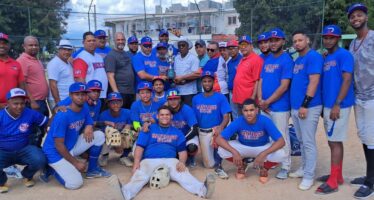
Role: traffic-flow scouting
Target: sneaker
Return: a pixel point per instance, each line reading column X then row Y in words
column 299, row 173
column 126, row 161
column 363, row 192
column 13, row 172
column 28, row 182
column 98, row 172
column 282, row 174
column 221, row 173
column 209, row 184
column 358, row 181
column 43, row 177
column 306, row 184
column 103, row 160
column 4, row 189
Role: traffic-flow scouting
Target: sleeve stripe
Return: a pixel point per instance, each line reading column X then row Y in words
column 44, row 120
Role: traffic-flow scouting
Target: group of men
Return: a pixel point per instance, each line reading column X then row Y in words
column 226, row 102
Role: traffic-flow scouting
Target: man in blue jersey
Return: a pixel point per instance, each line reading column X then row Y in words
column 133, row 44
column 161, row 145
column 273, row 91
column 212, row 113
column 338, row 99
column 118, row 118
column 306, row 105
column 64, row 142
column 254, row 133
column 162, row 63
column 15, row 128
column 159, row 93
column 184, row 119
column 232, row 65
column 263, row 43
column 163, row 37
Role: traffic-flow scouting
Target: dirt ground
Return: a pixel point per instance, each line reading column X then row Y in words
column 249, row 188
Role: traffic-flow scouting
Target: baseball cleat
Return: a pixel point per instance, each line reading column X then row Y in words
column 306, row 184
column 209, row 184
column 221, row 173
column 28, row 182
column 282, row 174
column 98, row 172
column 358, row 181
column 4, row 189
column 363, row 192
column 126, row 161
column 299, row 173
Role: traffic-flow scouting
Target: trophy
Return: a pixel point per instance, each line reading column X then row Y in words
column 171, row 72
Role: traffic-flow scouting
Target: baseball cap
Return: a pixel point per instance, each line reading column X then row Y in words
column 201, row 43
column 161, row 45
column 245, row 38
column 4, row 37
column 277, row 33
column 232, row 43
column 114, row 96
column 263, row 36
column 357, row 6
column 99, row 33
column 132, row 39
column 173, row 94
column 332, row 30
column 163, row 32
column 207, row 73
column 222, row 44
column 146, row 40
column 144, row 85
column 77, row 87
column 16, row 92
column 65, row 44
column 94, row 85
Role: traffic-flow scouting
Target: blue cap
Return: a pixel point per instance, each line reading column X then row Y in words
column 114, row 96
column 277, row 33
column 245, row 38
column 207, row 73
column 146, row 40
column 132, row 39
column 144, row 85
column 16, row 92
column 163, row 32
column 162, row 45
column 357, row 6
column 201, row 43
column 332, row 30
column 94, row 85
column 78, row 87
column 263, row 36
column 173, row 94
column 99, row 33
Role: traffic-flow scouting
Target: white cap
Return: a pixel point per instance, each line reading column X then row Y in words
column 16, row 92
column 184, row 39
column 222, row 44
column 65, row 44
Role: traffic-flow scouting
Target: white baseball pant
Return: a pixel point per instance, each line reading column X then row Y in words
column 207, row 150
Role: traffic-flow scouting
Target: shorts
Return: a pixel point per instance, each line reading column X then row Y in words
column 336, row 131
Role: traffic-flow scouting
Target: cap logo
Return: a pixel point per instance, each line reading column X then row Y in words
column 330, row 29
column 96, row 84
column 81, row 87
column 262, row 36
column 207, row 73
column 274, row 33
column 146, row 85
column 18, row 92
column 244, row 38
column 1, row 34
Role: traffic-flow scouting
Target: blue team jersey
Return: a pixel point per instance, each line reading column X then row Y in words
column 231, row 70
column 102, row 52
column 272, row 73
column 252, row 135
column 309, row 64
column 163, row 67
column 14, row 132
column 335, row 65
column 211, row 65
column 145, row 63
column 161, row 100
column 161, row 142
column 120, row 121
column 184, row 119
column 94, row 109
column 65, row 125
column 142, row 113
column 210, row 110
column 264, row 57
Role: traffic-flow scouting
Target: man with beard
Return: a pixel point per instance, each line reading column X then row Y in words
column 273, row 91
column 120, row 72
column 163, row 36
column 264, row 44
column 306, row 106
column 362, row 49
column 132, row 43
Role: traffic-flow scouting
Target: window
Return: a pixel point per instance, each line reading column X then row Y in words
column 232, row 20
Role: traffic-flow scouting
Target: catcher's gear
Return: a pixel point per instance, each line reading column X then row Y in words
column 192, row 149
column 112, row 136
column 160, row 177
column 127, row 138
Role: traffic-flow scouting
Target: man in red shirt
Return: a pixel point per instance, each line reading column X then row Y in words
column 11, row 75
column 247, row 73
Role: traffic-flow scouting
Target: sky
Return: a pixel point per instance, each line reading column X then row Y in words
column 78, row 22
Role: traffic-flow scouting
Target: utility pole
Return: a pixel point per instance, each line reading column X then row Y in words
column 88, row 13
column 145, row 19
column 197, row 6
column 95, row 17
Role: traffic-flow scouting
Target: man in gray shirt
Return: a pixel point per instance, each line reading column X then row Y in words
column 120, row 71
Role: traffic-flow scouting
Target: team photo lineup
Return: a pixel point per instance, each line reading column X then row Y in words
column 163, row 109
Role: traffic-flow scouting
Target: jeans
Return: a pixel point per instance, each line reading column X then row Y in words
column 31, row 156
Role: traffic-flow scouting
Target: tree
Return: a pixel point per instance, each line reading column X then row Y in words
column 44, row 19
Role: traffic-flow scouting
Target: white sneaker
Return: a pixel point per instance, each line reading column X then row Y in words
column 221, row 173
column 299, row 173
column 209, row 185
column 126, row 161
column 306, row 184
column 13, row 172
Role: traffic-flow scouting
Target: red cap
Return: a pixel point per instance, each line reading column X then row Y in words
column 232, row 43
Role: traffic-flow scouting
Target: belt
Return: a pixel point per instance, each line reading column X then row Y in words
column 206, row 130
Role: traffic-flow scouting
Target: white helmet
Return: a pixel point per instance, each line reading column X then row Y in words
column 160, row 177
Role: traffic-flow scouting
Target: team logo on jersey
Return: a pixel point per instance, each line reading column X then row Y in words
column 14, row 68
column 98, row 65
column 178, row 124
column 164, row 138
column 251, row 135
column 327, row 65
column 23, row 127
column 208, row 109
column 150, row 63
column 270, row 68
column 77, row 72
column 297, row 68
column 77, row 125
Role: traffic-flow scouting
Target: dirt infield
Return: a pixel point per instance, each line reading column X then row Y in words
column 249, row 188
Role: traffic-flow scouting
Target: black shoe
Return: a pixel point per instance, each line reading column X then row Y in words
column 358, row 181
column 363, row 192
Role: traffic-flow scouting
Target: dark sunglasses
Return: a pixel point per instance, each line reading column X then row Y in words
column 147, row 46
column 211, row 50
column 182, row 45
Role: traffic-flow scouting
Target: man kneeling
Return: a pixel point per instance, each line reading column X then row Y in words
column 160, row 145
column 253, row 141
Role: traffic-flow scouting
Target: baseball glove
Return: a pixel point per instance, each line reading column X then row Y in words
column 127, row 138
column 112, row 136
